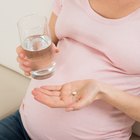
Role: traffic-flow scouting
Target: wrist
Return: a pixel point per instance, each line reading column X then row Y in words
column 107, row 92
column 103, row 91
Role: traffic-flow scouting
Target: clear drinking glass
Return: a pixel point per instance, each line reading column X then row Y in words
column 35, row 40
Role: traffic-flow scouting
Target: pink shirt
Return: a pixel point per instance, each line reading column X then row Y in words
column 91, row 46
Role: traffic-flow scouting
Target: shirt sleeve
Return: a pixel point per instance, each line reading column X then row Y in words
column 57, row 5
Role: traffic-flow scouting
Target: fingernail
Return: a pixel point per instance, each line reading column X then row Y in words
column 27, row 74
column 26, row 63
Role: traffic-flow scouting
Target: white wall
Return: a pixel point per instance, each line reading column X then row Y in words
column 10, row 12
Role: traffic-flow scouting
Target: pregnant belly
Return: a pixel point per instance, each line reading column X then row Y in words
column 92, row 122
column 96, row 121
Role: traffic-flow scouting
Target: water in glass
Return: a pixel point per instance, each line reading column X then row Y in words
column 39, row 51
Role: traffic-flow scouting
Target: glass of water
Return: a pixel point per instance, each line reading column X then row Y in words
column 35, row 40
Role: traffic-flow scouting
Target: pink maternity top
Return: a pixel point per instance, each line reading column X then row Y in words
column 91, row 47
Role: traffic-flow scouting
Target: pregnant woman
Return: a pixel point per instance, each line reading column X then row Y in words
column 94, row 93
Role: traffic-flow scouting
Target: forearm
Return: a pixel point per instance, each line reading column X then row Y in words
column 125, row 102
column 52, row 23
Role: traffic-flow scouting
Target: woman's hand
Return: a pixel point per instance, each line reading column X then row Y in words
column 24, row 62
column 78, row 94
column 72, row 96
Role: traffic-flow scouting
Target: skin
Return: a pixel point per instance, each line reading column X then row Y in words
column 88, row 90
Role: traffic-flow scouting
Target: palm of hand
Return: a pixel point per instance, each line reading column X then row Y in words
column 61, row 96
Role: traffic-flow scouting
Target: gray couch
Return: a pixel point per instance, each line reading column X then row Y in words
column 12, row 89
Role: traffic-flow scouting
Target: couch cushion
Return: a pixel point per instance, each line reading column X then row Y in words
column 12, row 89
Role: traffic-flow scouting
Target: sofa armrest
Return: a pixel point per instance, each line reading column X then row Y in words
column 12, row 89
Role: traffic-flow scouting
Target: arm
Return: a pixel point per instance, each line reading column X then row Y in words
column 52, row 28
column 129, row 104
column 87, row 92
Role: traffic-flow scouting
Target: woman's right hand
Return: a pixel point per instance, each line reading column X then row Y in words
column 24, row 63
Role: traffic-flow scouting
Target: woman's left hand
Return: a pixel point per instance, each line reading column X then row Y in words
column 72, row 96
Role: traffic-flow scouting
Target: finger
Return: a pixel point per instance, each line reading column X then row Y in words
column 27, row 63
column 68, row 100
column 53, row 102
column 48, row 92
column 27, row 73
column 23, row 61
column 19, row 60
column 66, row 95
column 25, row 68
column 78, row 105
column 19, row 49
column 20, row 52
column 50, row 87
